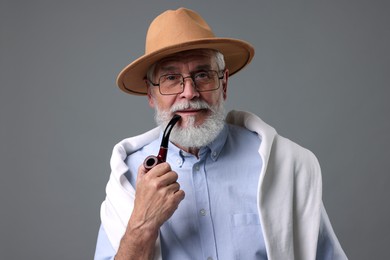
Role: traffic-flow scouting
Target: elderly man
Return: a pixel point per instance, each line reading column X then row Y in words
column 231, row 187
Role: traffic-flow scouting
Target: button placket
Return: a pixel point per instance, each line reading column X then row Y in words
column 206, row 228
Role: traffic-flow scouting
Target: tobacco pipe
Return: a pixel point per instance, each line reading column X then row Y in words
column 153, row 160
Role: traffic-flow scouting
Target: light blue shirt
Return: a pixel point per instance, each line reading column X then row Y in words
column 218, row 218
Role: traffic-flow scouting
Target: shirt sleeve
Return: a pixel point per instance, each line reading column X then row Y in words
column 104, row 249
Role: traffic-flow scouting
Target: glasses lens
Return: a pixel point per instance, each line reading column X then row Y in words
column 171, row 84
column 206, row 80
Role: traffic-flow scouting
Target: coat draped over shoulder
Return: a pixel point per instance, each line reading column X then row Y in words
column 289, row 193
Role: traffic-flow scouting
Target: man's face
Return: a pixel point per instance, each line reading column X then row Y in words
column 186, row 65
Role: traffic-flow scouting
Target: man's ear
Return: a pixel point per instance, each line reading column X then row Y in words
column 149, row 95
column 225, row 83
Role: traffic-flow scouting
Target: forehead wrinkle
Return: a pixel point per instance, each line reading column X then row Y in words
column 203, row 67
column 168, row 68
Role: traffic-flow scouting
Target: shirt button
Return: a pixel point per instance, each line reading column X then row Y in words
column 196, row 167
column 202, row 212
column 178, row 161
column 209, row 258
column 214, row 154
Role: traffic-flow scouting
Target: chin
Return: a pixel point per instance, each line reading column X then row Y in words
column 192, row 121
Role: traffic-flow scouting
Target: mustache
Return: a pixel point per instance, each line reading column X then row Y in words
column 198, row 104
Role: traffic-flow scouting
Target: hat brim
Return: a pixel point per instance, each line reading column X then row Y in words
column 237, row 55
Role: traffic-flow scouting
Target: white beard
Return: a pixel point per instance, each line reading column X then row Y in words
column 194, row 136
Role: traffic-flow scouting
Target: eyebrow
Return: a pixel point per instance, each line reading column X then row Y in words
column 203, row 67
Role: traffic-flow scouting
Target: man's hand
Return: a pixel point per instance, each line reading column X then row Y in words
column 157, row 197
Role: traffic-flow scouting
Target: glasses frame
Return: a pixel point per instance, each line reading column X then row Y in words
column 193, row 80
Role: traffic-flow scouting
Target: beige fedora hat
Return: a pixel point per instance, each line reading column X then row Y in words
column 175, row 31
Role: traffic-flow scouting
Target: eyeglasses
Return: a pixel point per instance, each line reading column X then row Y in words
column 173, row 84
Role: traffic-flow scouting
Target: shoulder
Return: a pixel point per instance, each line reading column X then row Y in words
column 299, row 161
column 237, row 131
column 291, row 150
column 132, row 144
column 242, row 138
column 128, row 146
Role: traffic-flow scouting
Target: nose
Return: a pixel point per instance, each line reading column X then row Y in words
column 189, row 90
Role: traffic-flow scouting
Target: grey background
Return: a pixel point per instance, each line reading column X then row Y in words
column 320, row 77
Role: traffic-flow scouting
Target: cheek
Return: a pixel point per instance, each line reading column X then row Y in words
column 214, row 98
column 163, row 103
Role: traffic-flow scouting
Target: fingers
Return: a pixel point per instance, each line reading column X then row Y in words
column 173, row 187
column 160, row 169
column 157, row 170
column 160, row 181
column 161, row 175
column 179, row 196
column 158, row 194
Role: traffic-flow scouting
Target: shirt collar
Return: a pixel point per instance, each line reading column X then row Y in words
column 213, row 149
